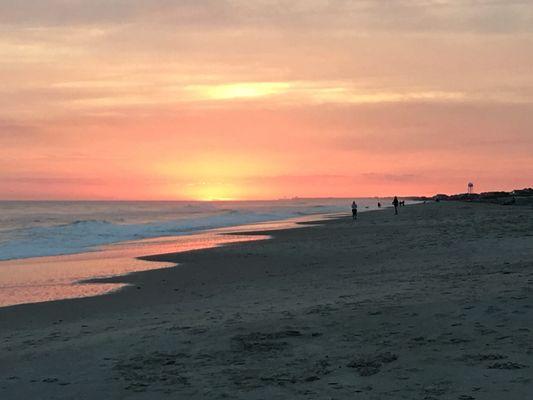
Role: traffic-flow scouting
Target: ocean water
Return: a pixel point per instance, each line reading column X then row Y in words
column 38, row 279
column 49, row 228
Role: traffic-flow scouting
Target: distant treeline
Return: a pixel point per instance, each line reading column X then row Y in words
column 519, row 197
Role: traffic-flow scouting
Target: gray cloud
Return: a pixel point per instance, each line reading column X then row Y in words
column 51, row 180
column 392, row 177
column 18, row 133
column 40, row 13
column 485, row 16
column 11, row 129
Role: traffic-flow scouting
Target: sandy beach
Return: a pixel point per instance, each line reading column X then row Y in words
column 435, row 303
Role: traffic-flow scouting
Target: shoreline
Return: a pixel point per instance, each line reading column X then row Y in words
column 227, row 236
column 434, row 303
column 55, row 228
column 76, row 275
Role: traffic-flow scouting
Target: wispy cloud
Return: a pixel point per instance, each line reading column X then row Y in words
column 309, row 90
column 487, row 16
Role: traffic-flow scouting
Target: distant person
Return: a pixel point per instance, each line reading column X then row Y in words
column 395, row 203
column 354, row 210
column 379, row 204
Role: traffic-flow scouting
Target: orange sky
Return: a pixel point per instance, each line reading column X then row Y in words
column 212, row 99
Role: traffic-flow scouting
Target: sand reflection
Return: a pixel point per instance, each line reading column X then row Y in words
column 39, row 279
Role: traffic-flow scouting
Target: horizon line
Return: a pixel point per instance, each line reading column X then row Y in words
column 207, row 201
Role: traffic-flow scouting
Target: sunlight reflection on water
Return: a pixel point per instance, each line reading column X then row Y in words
column 39, row 279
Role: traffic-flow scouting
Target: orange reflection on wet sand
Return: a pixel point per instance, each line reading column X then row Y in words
column 39, row 279
column 33, row 280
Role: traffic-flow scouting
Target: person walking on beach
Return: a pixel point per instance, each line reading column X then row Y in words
column 395, row 203
column 354, row 210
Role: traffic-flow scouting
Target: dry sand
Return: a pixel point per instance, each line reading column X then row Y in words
column 435, row 303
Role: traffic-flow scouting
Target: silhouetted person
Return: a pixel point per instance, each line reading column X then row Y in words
column 379, row 204
column 354, row 210
column 395, row 203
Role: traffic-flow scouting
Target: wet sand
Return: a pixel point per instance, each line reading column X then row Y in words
column 435, row 303
column 39, row 279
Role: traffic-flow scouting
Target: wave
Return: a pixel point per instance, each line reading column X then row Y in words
column 84, row 235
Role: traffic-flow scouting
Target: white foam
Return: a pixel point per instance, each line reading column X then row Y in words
column 117, row 222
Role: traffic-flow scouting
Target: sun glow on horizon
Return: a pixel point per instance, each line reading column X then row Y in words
column 154, row 99
column 214, row 191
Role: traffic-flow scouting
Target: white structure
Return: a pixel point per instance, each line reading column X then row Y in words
column 470, row 187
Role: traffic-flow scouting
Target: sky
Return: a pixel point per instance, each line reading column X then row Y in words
column 244, row 99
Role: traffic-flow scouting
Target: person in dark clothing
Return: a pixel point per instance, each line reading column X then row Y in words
column 395, row 203
column 379, row 204
column 354, row 210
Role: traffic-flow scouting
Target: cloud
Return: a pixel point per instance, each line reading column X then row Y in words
column 53, row 13
column 392, row 177
column 439, row 128
column 14, row 129
column 482, row 16
column 360, row 84
column 22, row 180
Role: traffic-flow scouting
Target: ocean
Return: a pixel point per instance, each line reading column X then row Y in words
column 49, row 228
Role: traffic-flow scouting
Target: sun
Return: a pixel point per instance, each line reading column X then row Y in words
column 215, row 192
